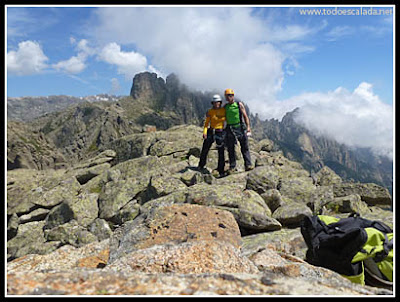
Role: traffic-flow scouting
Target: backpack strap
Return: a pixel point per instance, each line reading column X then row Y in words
column 372, row 267
column 242, row 124
column 240, row 113
column 387, row 246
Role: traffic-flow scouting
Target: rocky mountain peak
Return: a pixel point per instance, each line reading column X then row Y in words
column 290, row 117
column 147, row 85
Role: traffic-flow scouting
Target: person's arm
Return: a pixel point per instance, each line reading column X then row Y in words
column 245, row 116
column 207, row 121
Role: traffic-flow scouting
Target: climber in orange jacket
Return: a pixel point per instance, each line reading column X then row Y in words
column 214, row 131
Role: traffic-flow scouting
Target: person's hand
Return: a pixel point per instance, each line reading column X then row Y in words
column 248, row 132
column 204, row 136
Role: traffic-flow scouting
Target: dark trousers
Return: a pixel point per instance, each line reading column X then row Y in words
column 219, row 138
column 233, row 135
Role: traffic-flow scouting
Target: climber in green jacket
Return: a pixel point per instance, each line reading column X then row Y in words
column 237, row 129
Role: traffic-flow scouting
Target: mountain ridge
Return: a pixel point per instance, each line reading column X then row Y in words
column 165, row 103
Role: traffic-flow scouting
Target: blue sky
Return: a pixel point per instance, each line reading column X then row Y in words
column 276, row 58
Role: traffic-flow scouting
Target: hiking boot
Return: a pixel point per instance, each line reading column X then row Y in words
column 231, row 171
column 222, row 174
column 202, row 169
column 249, row 168
column 215, row 173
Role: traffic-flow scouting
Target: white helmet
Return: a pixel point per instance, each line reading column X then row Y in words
column 216, row 98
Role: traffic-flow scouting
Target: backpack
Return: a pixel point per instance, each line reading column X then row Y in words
column 357, row 248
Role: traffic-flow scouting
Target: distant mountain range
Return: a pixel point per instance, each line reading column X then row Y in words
column 64, row 129
column 28, row 108
column 314, row 152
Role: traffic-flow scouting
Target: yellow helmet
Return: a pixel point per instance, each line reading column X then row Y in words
column 229, row 91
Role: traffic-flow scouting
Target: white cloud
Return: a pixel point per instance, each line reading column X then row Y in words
column 84, row 49
column 28, row 59
column 210, row 48
column 289, row 32
column 358, row 118
column 339, row 32
column 128, row 63
column 75, row 64
column 377, row 30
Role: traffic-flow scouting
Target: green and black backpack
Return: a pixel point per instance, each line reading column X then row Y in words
column 357, row 248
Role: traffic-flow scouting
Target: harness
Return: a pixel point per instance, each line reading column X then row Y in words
column 218, row 136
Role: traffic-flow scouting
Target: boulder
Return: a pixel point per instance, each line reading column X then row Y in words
column 115, row 195
column 247, row 206
column 377, row 213
column 100, row 228
column 322, row 196
column 289, row 241
column 128, row 212
column 326, row 176
column 58, row 216
column 64, row 258
column 35, row 215
column 291, row 214
column 12, row 226
column 238, row 180
column 30, row 239
column 263, row 159
column 85, row 174
column 70, row 233
column 162, row 147
column 262, row 179
column 251, row 222
column 175, row 223
column 192, row 177
column 184, row 140
column 83, row 208
column 299, row 189
column 176, row 197
column 64, row 191
column 161, row 185
column 103, row 157
column 265, row 145
column 273, row 199
column 348, row 204
column 137, row 167
column 194, row 257
column 29, row 189
column 131, row 146
column 371, row 193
